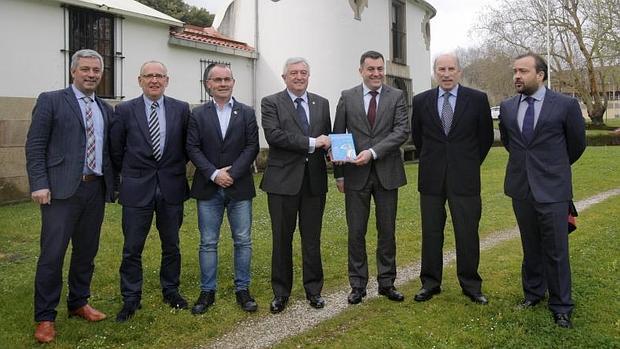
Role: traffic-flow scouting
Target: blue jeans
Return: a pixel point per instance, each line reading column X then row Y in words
column 210, row 215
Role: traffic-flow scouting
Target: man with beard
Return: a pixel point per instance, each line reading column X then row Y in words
column 544, row 134
column 148, row 149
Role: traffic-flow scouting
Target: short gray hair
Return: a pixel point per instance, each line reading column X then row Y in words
column 153, row 62
column 85, row 53
column 294, row 60
column 449, row 54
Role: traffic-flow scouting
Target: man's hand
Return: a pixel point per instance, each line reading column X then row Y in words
column 223, row 178
column 363, row 158
column 340, row 185
column 323, row 141
column 42, row 196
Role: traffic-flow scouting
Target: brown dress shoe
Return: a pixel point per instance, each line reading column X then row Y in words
column 88, row 313
column 45, row 331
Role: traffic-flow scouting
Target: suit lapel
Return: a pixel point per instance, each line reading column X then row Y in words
column 213, row 120
column 234, row 115
column 359, row 104
column 386, row 94
column 140, row 114
column 462, row 99
column 75, row 107
column 432, row 110
column 312, row 107
column 545, row 112
column 170, row 121
column 289, row 105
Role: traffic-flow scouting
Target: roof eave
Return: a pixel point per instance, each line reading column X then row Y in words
column 120, row 12
column 212, row 48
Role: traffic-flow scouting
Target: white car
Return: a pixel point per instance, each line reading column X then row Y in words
column 495, row 113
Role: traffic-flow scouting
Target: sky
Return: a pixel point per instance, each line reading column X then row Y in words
column 449, row 28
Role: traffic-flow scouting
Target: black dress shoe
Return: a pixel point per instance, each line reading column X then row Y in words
column 278, row 304
column 528, row 303
column 128, row 310
column 205, row 300
column 478, row 298
column 425, row 294
column 245, row 301
column 562, row 320
column 392, row 294
column 175, row 300
column 356, row 295
column 316, row 301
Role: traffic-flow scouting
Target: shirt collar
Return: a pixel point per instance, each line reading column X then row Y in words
column 366, row 90
column 79, row 94
column 294, row 97
column 230, row 103
column 148, row 102
column 454, row 91
column 539, row 95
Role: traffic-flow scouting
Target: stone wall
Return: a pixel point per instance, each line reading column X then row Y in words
column 15, row 114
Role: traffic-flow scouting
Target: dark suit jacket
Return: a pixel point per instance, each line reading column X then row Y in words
column 390, row 131
column 451, row 164
column 209, row 151
column 56, row 143
column 543, row 165
column 132, row 153
column 288, row 146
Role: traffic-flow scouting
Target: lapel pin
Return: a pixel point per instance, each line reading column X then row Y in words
column 235, row 112
column 313, row 102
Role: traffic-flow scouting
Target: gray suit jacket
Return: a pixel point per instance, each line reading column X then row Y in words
column 288, row 146
column 56, row 142
column 543, row 165
column 390, row 131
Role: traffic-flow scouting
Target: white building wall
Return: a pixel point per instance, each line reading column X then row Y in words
column 144, row 41
column 327, row 35
column 31, row 42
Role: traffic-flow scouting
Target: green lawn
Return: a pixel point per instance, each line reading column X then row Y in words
column 157, row 326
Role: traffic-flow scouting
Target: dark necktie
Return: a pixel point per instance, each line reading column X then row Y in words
column 527, row 130
column 372, row 108
column 90, row 134
column 154, row 131
column 446, row 113
column 301, row 115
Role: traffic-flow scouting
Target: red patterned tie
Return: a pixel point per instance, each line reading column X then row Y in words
column 372, row 108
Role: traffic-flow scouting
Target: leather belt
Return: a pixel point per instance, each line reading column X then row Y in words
column 89, row 177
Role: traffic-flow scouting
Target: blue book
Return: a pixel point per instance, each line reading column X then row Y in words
column 343, row 148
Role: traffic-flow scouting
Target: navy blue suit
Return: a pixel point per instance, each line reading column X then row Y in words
column 148, row 186
column 538, row 179
column 55, row 155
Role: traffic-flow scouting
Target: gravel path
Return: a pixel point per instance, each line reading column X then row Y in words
column 297, row 318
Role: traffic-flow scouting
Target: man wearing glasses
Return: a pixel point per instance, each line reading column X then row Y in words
column 148, row 149
column 222, row 142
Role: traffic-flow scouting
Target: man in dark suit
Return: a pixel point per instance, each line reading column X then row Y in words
column 376, row 115
column 544, row 133
column 148, row 149
column 296, row 124
column 452, row 130
column 71, row 177
column 222, row 142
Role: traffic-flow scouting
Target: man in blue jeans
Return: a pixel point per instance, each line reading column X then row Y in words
column 222, row 142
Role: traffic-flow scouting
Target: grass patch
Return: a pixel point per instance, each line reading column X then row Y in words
column 157, row 326
column 452, row 321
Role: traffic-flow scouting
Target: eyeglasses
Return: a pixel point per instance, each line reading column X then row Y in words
column 221, row 80
column 154, row 76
